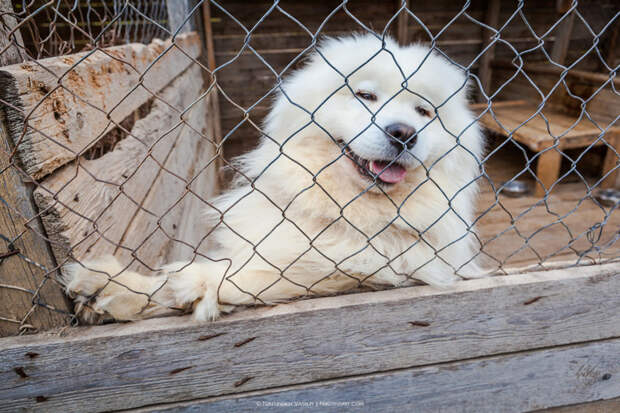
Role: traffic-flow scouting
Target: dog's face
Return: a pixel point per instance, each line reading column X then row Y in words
column 381, row 110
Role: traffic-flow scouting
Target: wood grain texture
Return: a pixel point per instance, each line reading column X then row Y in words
column 26, row 277
column 170, row 360
column 134, row 198
column 9, row 52
column 21, row 230
column 61, row 106
column 511, row 383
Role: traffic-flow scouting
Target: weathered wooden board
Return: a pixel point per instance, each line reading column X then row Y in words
column 132, row 198
column 32, row 266
column 61, row 106
column 511, row 383
column 26, row 270
column 170, row 360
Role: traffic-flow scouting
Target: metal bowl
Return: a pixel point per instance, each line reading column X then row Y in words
column 516, row 188
column 608, row 197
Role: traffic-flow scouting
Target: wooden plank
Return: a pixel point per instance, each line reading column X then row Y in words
column 563, row 36
column 214, row 110
column 9, row 51
column 611, row 159
column 492, row 20
column 600, row 406
column 116, row 203
column 160, row 231
column 510, row 383
column 26, row 278
column 173, row 359
column 68, row 103
column 539, row 133
column 27, row 270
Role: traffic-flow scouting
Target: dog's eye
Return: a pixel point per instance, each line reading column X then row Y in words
column 367, row 95
column 423, row 111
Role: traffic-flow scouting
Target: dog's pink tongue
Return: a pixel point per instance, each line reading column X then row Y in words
column 393, row 174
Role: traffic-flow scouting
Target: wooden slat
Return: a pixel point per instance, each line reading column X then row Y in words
column 492, row 20
column 154, row 165
column 536, row 133
column 66, row 101
column 511, row 383
column 170, row 360
column 19, row 223
column 564, row 31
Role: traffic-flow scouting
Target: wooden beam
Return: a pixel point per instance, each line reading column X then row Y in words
column 168, row 360
column 215, row 104
column 492, row 20
column 60, row 106
column 27, row 269
column 9, row 51
column 178, row 11
column 564, row 32
column 511, row 383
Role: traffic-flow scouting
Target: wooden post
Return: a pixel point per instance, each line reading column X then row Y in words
column 562, row 39
column 611, row 159
column 12, row 53
column 492, row 20
column 547, row 170
column 27, row 264
column 214, row 102
column 177, row 13
column 402, row 24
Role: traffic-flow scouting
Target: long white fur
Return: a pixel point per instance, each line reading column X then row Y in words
column 319, row 227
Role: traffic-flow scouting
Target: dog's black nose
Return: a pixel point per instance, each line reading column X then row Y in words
column 401, row 135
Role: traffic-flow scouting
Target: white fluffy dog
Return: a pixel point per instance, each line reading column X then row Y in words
column 366, row 173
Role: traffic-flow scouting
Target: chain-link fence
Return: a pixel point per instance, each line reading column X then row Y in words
column 123, row 122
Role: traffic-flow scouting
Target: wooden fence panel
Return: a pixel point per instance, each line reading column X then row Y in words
column 169, row 360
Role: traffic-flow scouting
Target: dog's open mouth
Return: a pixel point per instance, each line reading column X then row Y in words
column 385, row 172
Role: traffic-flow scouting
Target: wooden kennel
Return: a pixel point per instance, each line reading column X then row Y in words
column 542, row 335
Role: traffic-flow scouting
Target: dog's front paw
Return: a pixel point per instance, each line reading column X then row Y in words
column 84, row 282
column 102, row 290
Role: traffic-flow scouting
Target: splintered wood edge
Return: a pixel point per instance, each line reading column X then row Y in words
column 41, row 160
